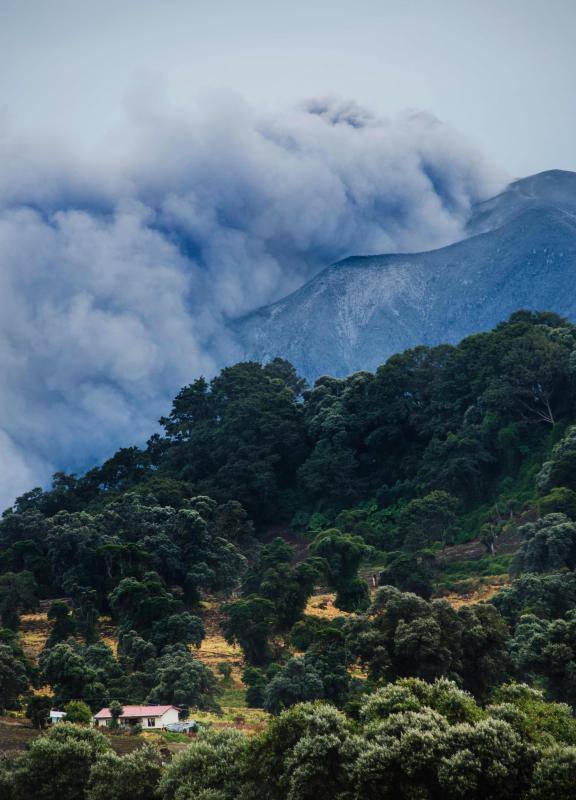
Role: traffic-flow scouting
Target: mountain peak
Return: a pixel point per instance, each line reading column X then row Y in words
column 521, row 253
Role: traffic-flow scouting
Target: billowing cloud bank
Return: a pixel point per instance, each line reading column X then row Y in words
column 118, row 271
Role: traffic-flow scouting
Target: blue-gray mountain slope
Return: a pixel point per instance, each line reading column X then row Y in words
column 358, row 312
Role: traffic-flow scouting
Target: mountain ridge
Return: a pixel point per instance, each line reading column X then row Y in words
column 356, row 313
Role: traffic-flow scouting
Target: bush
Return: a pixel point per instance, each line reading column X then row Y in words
column 78, row 711
column 58, row 764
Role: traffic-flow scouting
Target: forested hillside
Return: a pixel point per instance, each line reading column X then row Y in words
column 445, row 465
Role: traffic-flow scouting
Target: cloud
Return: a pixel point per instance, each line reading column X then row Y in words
column 118, row 271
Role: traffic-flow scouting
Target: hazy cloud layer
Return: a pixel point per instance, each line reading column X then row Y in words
column 118, row 271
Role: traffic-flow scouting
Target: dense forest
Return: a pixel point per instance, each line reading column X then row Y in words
column 259, row 491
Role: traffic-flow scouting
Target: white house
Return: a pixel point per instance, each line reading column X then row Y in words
column 147, row 716
column 56, row 716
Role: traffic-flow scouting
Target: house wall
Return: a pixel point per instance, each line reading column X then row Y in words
column 159, row 722
column 170, row 716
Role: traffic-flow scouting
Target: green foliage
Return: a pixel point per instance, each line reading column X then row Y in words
column 546, row 596
column 17, row 595
column 63, row 623
column 559, row 500
column 288, row 586
column 549, row 545
column 543, row 650
column 402, row 635
column 440, row 445
column 116, row 710
column 298, row 681
column 249, row 623
column 38, row 709
column 427, row 520
column 14, row 679
column 225, row 669
column 65, row 669
column 307, row 752
column 58, row 764
column 78, row 712
column 184, row 681
column 341, row 556
column 409, row 572
column 537, row 720
column 555, row 775
column 133, row 777
column 211, row 768
column 560, row 469
column 413, row 739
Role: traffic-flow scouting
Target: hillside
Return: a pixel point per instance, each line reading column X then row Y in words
column 398, row 545
column 358, row 312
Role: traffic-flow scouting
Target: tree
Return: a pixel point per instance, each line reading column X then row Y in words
column 484, row 641
column 17, row 595
column 409, row 572
column 559, row 470
column 86, row 612
column 543, row 650
column 184, row 681
column 58, row 764
column 177, row 628
column 559, row 500
column 63, row 623
column 78, row 712
column 65, row 669
column 427, row 520
column 342, row 555
column 116, row 710
column 255, row 680
column 138, row 604
column 298, row 681
column 549, row 544
column 545, row 596
column 306, row 753
column 250, row 622
column 402, row 635
column 288, row 586
column 211, row 767
column 555, row 775
column 535, row 719
column 135, row 776
column 13, row 678
column 38, row 710
column 233, row 523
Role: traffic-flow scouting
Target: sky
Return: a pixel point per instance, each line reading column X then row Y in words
column 498, row 70
column 167, row 166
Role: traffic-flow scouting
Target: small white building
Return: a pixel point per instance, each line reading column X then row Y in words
column 146, row 716
column 56, row 716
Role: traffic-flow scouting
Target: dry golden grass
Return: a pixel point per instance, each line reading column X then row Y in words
column 248, row 720
column 215, row 649
column 34, row 632
column 482, row 593
column 322, row 606
column 108, row 632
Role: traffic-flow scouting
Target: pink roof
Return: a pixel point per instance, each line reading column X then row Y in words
column 135, row 711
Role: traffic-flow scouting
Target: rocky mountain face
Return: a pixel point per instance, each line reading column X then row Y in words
column 521, row 253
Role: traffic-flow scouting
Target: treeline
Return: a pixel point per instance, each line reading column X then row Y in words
column 410, row 739
column 453, row 418
column 391, row 464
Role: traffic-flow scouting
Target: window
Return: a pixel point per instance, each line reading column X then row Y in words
column 151, row 722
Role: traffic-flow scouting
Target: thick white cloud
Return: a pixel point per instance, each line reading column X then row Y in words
column 118, row 272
